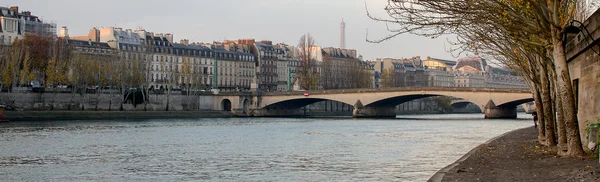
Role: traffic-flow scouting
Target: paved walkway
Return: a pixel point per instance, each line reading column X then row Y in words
column 517, row 156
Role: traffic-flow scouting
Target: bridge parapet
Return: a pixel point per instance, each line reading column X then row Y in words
column 397, row 89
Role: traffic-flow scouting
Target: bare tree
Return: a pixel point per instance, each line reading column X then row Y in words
column 57, row 68
column 308, row 70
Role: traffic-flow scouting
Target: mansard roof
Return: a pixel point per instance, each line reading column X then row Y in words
column 10, row 13
column 474, row 61
column 503, row 71
column 447, row 62
column 191, row 46
column 81, row 43
column 335, row 52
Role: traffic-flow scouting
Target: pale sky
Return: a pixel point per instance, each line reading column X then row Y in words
column 215, row 20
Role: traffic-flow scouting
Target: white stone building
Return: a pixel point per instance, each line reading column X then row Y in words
column 11, row 27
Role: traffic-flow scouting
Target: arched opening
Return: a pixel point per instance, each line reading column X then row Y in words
column 301, row 103
column 465, row 107
column 516, row 103
column 394, row 101
column 314, row 106
column 293, row 104
column 226, row 105
column 426, row 104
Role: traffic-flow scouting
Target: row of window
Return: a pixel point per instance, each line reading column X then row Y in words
column 204, row 53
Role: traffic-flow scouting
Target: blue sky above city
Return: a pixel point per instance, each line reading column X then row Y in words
column 215, row 20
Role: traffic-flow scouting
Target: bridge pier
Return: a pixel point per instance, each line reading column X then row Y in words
column 374, row 112
column 501, row 113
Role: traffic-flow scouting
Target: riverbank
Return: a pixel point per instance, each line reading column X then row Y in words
column 517, row 156
column 108, row 115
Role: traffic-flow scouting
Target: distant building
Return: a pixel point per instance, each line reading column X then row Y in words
column 170, row 65
column 440, row 72
column 287, row 71
column 341, row 69
column 11, row 27
column 467, row 79
column 233, row 68
column 244, row 69
column 95, row 51
column 471, row 64
column 503, row 78
column 33, row 25
column 469, row 71
column 404, row 72
column 14, row 25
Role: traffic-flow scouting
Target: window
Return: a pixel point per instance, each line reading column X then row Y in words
column 9, row 26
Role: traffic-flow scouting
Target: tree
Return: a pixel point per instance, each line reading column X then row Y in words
column 57, row 67
column 187, row 80
column 11, row 75
column 388, row 78
column 308, row 72
column 540, row 23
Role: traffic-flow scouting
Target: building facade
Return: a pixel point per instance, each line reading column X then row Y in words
column 14, row 25
column 11, row 27
column 406, row 72
column 341, row 69
column 440, row 72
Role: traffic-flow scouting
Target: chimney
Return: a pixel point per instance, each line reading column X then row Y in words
column 169, row 37
column 128, row 32
column 64, row 32
column 268, row 42
column 94, row 35
column 28, row 13
column 15, row 9
column 185, row 42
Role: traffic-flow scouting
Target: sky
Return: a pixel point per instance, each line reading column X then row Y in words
column 281, row 21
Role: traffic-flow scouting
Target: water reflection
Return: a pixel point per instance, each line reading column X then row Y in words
column 259, row 149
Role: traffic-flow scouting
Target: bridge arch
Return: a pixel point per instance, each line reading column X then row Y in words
column 460, row 104
column 463, row 107
column 298, row 103
column 515, row 103
column 397, row 100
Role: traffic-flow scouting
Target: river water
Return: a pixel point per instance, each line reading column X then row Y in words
column 410, row 148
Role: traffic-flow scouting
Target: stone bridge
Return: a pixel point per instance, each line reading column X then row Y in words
column 495, row 102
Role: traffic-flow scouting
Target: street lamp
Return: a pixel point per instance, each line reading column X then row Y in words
column 574, row 30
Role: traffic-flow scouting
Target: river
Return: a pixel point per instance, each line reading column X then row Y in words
column 409, row 148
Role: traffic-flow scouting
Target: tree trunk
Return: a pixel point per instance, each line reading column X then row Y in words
column 549, row 121
column 557, row 108
column 540, row 110
column 168, row 97
column 565, row 91
column 562, row 132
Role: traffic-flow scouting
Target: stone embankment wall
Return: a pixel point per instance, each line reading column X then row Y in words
column 28, row 101
column 584, row 66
